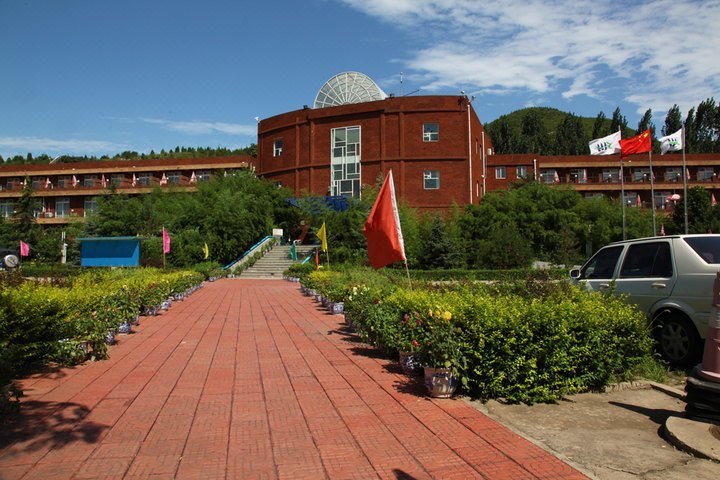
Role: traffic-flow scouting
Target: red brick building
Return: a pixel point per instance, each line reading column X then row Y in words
column 435, row 146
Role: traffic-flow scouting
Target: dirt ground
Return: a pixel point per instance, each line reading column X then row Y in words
column 608, row 436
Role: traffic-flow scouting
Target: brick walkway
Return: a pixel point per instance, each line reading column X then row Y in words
column 250, row 379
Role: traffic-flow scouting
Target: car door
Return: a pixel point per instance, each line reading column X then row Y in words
column 647, row 273
column 598, row 273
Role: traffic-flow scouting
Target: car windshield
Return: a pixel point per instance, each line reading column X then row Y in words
column 707, row 247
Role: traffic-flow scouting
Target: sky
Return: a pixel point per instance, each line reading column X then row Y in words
column 98, row 77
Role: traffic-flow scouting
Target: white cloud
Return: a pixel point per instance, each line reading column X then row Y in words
column 656, row 53
column 65, row 147
column 204, row 128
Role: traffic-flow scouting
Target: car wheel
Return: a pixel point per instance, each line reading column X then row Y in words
column 678, row 341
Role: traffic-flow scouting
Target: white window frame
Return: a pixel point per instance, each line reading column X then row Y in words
column 62, row 201
column 7, row 208
column 89, row 206
column 430, row 178
column 431, row 132
column 501, row 173
column 277, row 147
column 173, row 178
column 521, row 172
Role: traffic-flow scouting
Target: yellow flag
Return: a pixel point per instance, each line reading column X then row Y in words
column 206, row 251
column 322, row 235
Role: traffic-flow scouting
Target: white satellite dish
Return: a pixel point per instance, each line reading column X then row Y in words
column 346, row 88
column 10, row 261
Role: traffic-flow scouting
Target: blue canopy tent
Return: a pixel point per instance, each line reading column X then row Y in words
column 109, row 251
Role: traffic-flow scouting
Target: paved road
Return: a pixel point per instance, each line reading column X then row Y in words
column 250, row 379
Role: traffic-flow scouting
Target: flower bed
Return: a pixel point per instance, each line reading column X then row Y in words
column 524, row 342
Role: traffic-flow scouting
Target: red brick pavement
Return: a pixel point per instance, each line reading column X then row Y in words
column 250, row 379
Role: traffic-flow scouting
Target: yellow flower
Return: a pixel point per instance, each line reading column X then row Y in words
column 447, row 316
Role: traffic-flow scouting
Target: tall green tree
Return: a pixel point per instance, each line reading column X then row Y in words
column 673, row 121
column 618, row 122
column 599, row 128
column 645, row 123
column 570, row 136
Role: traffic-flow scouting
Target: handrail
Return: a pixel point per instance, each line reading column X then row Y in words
column 248, row 252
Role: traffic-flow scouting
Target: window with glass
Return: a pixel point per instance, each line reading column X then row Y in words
column 647, row 260
column 117, row 179
column 611, row 175
column 705, row 174
column 90, row 206
column 345, row 157
column 38, row 183
column 143, row 179
column 673, row 174
column 431, row 179
column 277, row 148
column 500, row 173
column 64, row 181
column 549, row 175
column 661, row 200
column 521, row 171
column 6, row 208
column 203, row 175
column 62, row 207
column 578, row 175
column 602, row 265
column 641, row 174
column 91, row 181
column 431, row 132
column 173, row 178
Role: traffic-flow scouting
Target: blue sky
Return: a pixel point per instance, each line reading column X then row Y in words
column 92, row 77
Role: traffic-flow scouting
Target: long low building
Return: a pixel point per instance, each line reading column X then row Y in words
column 68, row 192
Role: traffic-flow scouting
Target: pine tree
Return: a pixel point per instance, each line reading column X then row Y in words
column 599, row 129
column 673, row 121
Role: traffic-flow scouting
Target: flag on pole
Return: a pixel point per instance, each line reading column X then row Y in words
column 687, row 173
column 166, row 241
column 609, row 145
column 638, row 201
column 24, row 249
column 134, row 180
column 556, row 178
column 638, row 144
column 671, row 143
column 193, row 178
column 322, row 235
column 48, row 183
column 206, row 251
column 74, row 181
column 713, row 202
column 163, row 180
column 382, row 228
column 103, row 182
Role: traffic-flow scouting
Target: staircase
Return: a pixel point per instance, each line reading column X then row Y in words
column 275, row 262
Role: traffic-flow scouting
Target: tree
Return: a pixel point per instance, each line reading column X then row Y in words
column 24, row 216
column 618, row 122
column 436, row 247
column 699, row 210
column 645, row 123
column 707, row 127
column 690, row 137
column 599, row 129
column 673, row 121
column 570, row 137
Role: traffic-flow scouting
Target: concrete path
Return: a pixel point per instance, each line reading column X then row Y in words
column 250, row 379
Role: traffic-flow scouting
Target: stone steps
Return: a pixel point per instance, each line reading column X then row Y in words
column 275, row 262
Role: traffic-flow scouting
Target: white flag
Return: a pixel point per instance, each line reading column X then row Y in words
column 605, row 146
column 671, row 143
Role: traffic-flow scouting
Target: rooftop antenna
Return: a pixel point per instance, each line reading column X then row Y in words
column 401, row 83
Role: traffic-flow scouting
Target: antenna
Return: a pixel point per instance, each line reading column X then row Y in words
column 401, row 84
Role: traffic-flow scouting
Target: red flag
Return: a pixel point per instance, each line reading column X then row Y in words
column 382, row 228
column 638, row 144
column 24, row 249
column 166, row 241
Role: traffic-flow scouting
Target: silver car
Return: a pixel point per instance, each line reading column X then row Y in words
column 669, row 278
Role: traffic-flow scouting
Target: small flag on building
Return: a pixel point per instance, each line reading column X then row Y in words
column 166, row 241
column 24, row 249
column 671, row 143
column 713, row 202
column 638, row 144
column 322, row 236
column 193, row 178
column 163, row 180
column 74, row 181
column 606, row 145
column 382, row 228
column 48, row 183
column 134, row 180
column 103, row 182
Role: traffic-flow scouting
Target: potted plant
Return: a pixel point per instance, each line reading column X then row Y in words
column 442, row 355
column 411, row 336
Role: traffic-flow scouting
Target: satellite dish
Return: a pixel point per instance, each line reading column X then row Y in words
column 10, row 261
column 346, row 88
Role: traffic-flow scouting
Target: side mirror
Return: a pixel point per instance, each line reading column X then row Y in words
column 575, row 273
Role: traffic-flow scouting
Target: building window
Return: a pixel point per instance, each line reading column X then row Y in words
column 117, row 179
column 64, row 181
column 91, row 181
column 641, row 175
column 431, row 179
column 345, row 148
column 6, row 208
column 38, row 183
column 673, row 174
column 62, row 207
column 521, row 171
column 549, row 176
column 143, row 179
column 431, row 132
column 500, row 173
column 705, row 174
column 578, row 175
column 90, row 206
column 610, row 175
column 173, row 178
column 277, row 148
column 661, row 199
column 203, row 175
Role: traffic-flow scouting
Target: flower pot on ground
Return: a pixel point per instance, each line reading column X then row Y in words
column 110, row 337
column 410, row 363
column 125, row 327
column 336, row 308
column 440, row 382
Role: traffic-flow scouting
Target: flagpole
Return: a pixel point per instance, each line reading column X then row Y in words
column 684, row 167
column 652, row 191
column 407, row 270
column 622, row 191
